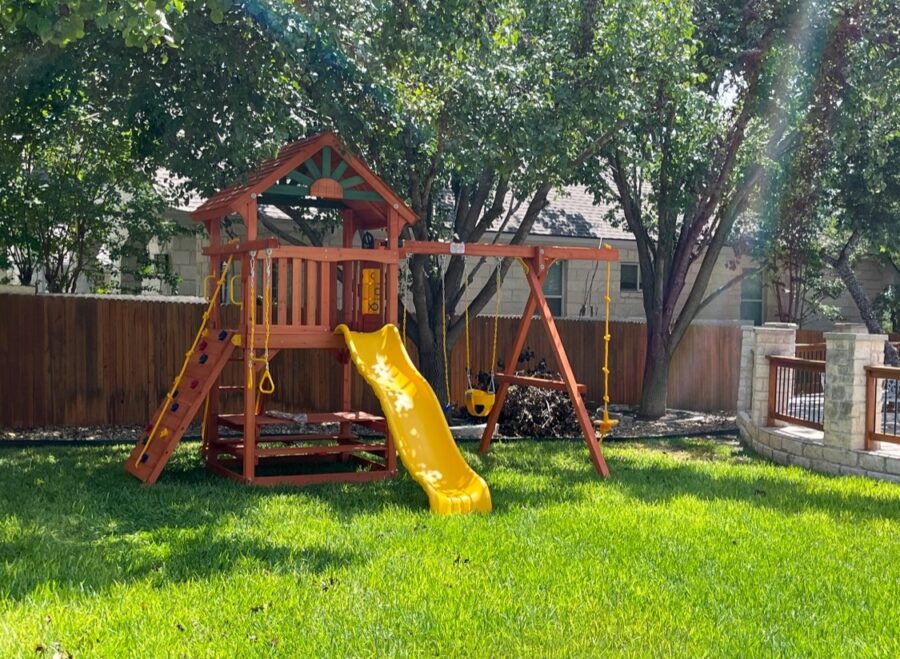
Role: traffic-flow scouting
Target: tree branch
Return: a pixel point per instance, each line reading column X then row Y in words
column 727, row 285
column 269, row 223
column 536, row 205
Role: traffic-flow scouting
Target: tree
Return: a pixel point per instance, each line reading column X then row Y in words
column 862, row 175
column 70, row 199
column 842, row 188
column 74, row 193
column 686, row 174
column 139, row 24
column 490, row 106
column 94, row 117
column 797, row 269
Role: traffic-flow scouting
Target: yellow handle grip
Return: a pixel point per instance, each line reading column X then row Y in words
column 231, row 296
column 206, row 288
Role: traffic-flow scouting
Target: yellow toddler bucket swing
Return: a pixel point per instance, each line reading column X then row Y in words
column 480, row 402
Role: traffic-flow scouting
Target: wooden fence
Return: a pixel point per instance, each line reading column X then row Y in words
column 69, row 360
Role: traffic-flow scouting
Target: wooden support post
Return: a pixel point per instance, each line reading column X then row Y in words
column 249, row 320
column 392, row 287
column 390, row 453
column 250, row 218
column 346, row 395
column 773, row 391
column 512, row 358
column 871, row 410
column 349, row 279
column 535, row 283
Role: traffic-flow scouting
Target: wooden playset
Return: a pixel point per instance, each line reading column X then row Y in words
column 345, row 300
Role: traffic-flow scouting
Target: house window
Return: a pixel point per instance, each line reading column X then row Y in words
column 751, row 298
column 630, row 277
column 553, row 288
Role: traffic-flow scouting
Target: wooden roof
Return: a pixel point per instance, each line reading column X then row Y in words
column 318, row 171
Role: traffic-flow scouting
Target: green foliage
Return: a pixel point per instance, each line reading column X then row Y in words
column 838, row 195
column 139, row 24
column 693, row 548
column 704, row 127
column 164, row 105
column 887, row 306
column 69, row 198
column 681, row 112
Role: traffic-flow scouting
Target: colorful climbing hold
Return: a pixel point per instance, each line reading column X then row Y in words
column 223, row 335
column 145, row 457
column 202, row 345
column 174, row 407
column 194, row 384
column 203, row 358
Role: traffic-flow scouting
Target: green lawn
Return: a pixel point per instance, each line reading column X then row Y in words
column 693, row 547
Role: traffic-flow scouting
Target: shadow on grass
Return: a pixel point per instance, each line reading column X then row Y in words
column 705, row 469
column 73, row 517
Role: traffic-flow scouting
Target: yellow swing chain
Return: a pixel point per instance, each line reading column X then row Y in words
column 493, row 364
column 606, row 424
column 170, row 396
column 266, row 383
column 466, row 303
column 499, row 281
column 444, row 334
column 251, row 344
column 403, row 278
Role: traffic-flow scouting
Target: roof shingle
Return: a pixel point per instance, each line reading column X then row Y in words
column 572, row 213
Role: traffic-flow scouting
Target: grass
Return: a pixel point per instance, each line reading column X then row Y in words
column 693, row 547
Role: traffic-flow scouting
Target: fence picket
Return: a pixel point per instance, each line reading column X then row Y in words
column 135, row 347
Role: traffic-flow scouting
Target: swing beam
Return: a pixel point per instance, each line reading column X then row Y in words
column 536, row 261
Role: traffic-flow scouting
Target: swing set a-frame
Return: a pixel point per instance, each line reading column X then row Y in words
column 536, row 261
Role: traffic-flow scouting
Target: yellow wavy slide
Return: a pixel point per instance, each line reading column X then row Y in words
column 416, row 422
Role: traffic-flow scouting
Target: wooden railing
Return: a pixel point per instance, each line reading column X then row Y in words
column 882, row 405
column 302, row 293
column 307, row 281
column 797, row 391
column 814, row 351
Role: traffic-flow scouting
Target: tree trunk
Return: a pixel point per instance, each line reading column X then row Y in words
column 431, row 366
column 25, row 274
column 130, row 278
column 862, row 301
column 841, row 265
column 654, row 394
column 866, row 310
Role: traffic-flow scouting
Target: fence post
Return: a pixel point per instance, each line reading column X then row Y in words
column 847, row 355
column 871, row 407
column 769, row 339
column 745, row 375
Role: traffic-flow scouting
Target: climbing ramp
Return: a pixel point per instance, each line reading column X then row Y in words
column 202, row 366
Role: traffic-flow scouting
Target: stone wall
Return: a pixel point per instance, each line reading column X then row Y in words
column 840, row 447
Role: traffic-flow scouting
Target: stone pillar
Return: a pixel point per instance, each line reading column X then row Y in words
column 847, row 355
column 745, row 375
column 770, row 339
